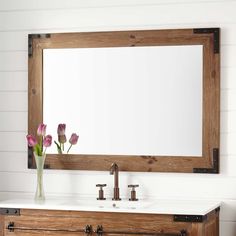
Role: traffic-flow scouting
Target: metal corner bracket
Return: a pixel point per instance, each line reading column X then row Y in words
column 214, row 169
column 30, row 41
column 9, row 211
column 215, row 32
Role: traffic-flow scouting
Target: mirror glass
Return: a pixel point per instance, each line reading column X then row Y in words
column 126, row 100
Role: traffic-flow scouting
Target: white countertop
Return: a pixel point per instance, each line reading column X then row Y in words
column 157, row 206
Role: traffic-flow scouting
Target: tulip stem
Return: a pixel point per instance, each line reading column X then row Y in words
column 58, row 148
column 41, row 145
column 44, row 151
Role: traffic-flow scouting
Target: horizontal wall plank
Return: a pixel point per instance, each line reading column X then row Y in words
column 162, row 14
column 227, row 165
column 13, row 162
column 13, row 121
column 228, row 98
column 13, row 101
column 12, row 5
column 14, row 41
column 227, row 228
column 228, row 34
column 228, row 76
column 14, row 81
column 228, row 124
column 14, row 61
column 228, row 211
column 13, row 142
column 227, row 144
column 11, row 41
column 166, row 185
column 227, row 56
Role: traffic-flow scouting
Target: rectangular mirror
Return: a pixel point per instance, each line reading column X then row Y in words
column 147, row 100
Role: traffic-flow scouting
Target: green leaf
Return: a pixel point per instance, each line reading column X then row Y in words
column 58, row 148
column 38, row 150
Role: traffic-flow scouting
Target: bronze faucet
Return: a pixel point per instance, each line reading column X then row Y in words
column 115, row 170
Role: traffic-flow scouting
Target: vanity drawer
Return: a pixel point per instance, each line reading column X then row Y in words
column 32, row 222
column 52, row 222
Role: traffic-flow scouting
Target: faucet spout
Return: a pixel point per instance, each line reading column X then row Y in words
column 114, row 170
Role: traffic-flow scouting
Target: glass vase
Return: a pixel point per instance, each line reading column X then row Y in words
column 39, row 194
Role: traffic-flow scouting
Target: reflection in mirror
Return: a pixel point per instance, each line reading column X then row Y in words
column 126, row 100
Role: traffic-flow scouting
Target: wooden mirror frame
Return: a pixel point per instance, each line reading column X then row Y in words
column 208, row 37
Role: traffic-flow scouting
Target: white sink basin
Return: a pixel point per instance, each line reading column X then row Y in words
column 109, row 204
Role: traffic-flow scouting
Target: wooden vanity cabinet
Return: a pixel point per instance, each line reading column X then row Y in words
column 30, row 222
column 1, row 225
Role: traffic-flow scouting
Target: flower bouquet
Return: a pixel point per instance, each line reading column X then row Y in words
column 39, row 146
column 61, row 132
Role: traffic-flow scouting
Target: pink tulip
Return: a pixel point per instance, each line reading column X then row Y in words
column 61, row 133
column 62, row 138
column 31, row 140
column 61, row 129
column 74, row 139
column 41, row 130
column 47, row 141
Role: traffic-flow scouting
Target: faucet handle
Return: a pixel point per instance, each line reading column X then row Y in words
column 133, row 192
column 101, row 192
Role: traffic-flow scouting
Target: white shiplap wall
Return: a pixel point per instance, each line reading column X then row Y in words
column 18, row 18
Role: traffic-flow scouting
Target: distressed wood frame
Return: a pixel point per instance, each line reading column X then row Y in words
column 208, row 37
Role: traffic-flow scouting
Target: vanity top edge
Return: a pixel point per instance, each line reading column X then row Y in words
column 145, row 206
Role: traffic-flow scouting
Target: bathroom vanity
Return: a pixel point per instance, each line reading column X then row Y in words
column 172, row 77
column 70, row 216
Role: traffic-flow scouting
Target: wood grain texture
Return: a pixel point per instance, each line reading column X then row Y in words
column 1, row 225
column 71, row 222
column 211, row 89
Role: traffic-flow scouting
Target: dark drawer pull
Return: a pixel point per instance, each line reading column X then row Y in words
column 11, row 227
column 99, row 230
column 88, row 229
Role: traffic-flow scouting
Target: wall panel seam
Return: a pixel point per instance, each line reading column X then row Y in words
column 119, row 5
column 106, row 27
